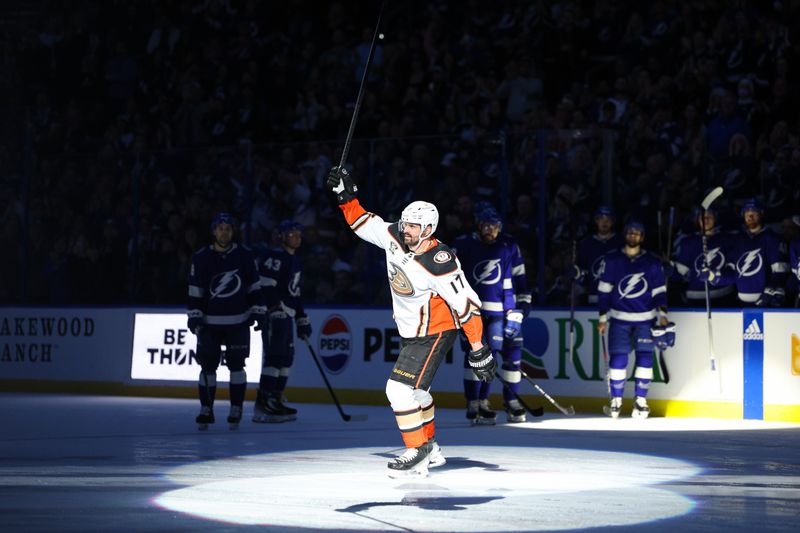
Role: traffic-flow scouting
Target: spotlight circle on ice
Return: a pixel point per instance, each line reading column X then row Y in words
column 493, row 488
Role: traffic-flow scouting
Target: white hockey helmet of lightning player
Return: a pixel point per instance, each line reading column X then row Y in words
column 423, row 213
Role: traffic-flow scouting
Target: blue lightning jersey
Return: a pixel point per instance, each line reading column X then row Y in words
column 631, row 289
column 589, row 257
column 223, row 286
column 688, row 260
column 280, row 274
column 759, row 259
column 489, row 269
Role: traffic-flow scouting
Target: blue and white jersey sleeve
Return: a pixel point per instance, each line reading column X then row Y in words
column 519, row 278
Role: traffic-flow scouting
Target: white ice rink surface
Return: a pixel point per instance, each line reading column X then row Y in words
column 92, row 463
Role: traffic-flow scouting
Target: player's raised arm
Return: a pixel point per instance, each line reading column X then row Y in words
column 366, row 225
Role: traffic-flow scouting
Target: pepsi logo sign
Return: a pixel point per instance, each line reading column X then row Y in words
column 335, row 343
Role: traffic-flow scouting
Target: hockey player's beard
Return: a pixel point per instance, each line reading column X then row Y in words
column 222, row 245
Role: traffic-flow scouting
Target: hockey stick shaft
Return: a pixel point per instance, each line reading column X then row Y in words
column 605, row 363
column 569, row 411
column 349, row 139
column 572, row 305
column 706, row 203
column 662, row 361
column 534, row 411
column 344, row 415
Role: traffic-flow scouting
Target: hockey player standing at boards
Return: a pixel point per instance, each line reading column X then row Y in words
column 695, row 270
column 280, row 272
column 224, row 300
column 593, row 248
column 632, row 299
column 431, row 300
column 495, row 268
column 760, row 260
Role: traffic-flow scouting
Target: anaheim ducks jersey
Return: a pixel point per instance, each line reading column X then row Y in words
column 430, row 293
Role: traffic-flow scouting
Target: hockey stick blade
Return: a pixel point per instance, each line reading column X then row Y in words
column 710, row 197
column 534, row 411
column 569, row 411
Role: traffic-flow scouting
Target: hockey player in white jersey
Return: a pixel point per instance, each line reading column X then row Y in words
column 431, row 301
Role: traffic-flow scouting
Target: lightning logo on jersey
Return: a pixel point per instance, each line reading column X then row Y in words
column 225, row 284
column 750, row 263
column 715, row 260
column 487, row 272
column 632, row 286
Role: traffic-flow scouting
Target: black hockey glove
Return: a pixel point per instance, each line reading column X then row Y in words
column 303, row 328
column 341, row 184
column 195, row 323
column 482, row 363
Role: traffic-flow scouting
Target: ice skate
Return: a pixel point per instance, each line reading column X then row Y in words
column 205, row 418
column 479, row 413
column 515, row 413
column 614, row 408
column 640, row 408
column 269, row 409
column 235, row 416
column 413, row 462
column 436, row 457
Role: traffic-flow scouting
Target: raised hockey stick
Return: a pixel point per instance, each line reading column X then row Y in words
column 569, row 411
column 345, row 416
column 351, row 130
column 534, row 411
column 705, row 204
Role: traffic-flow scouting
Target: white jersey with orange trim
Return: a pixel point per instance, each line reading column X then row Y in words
column 430, row 293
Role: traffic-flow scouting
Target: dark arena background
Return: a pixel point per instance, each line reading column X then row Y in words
column 126, row 127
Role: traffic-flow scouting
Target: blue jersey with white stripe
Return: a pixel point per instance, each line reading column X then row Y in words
column 489, row 270
column 759, row 259
column 224, row 286
column 589, row 257
column 631, row 288
column 688, row 260
column 280, row 274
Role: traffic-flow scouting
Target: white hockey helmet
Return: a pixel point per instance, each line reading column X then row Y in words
column 422, row 213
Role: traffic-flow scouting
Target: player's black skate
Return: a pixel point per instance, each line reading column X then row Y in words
column 205, row 418
column 480, row 413
column 235, row 416
column 269, row 409
column 640, row 408
column 413, row 463
column 515, row 413
column 613, row 408
column 436, row 457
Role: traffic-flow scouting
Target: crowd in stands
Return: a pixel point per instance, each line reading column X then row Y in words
column 129, row 124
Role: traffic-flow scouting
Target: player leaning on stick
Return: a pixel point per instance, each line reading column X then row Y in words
column 431, row 300
column 632, row 301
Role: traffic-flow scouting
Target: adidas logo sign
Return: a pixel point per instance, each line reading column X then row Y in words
column 753, row 332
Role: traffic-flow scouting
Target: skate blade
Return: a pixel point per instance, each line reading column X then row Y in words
column 414, row 473
column 233, row 426
column 641, row 415
column 485, row 422
column 608, row 412
column 202, row 427
column 270, row 419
